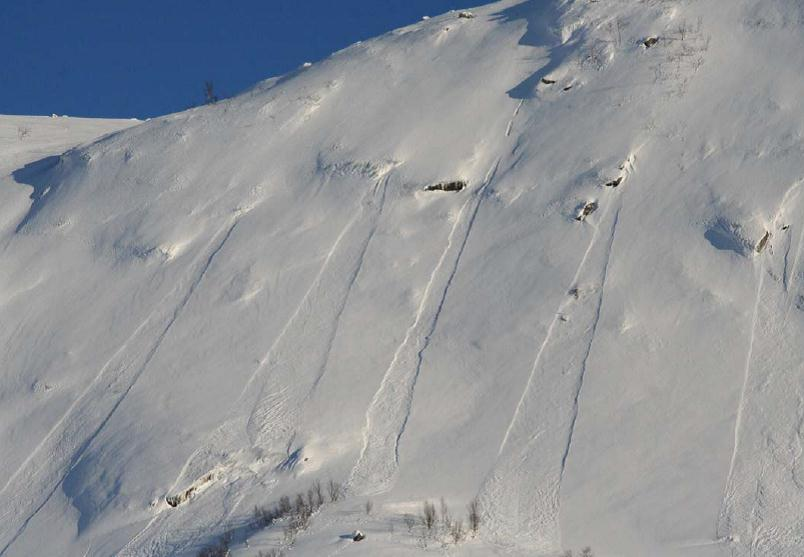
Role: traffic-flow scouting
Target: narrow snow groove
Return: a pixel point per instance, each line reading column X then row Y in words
column 304, row 301
column 510, row 126
column 389, row 410
column 439, row 309
column 78, row 454
column 382, row 186
column 275, row 408
column 584, row 363
column 160, row 339
column 293, row 373
column 791, row 282
column 28, row 519
column 546, row 341
column 521, row 495
column 740, row 404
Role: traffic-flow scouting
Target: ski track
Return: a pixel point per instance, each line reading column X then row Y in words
column 389, row 410
column 275, row 405
column 77, row 455
column 522, row 505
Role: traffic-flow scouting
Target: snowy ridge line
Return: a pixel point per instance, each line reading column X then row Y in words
column 582, row 376
column 389, row 410
column 78, row 455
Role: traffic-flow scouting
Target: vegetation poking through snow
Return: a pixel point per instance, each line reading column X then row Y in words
column 585, row 552
column 293, row 515
column 439, row 525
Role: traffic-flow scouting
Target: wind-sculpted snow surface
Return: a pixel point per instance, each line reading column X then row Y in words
column 542, row 255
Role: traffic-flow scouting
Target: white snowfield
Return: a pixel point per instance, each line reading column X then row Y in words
column 599, row 338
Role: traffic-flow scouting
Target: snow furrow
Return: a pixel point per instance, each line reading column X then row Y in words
column 723, row 523
column 510, row 126
column 582, row 374
column 520, row 497
column 294, row 372
column 389, row 411
column 290, row 382
column 762, row 484
column 63, row 446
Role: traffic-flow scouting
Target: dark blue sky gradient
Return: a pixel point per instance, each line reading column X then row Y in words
column 142, row 58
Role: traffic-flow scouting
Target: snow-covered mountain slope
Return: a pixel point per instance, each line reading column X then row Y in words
column 25, row 139
column 598, row 337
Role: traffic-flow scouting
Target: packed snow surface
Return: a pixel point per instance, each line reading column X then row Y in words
column 546, row 256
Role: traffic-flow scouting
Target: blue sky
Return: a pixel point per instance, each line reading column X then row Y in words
column 140, row 58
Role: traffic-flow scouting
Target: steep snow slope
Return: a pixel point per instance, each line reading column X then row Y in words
column 25, row 139
column 235, row 301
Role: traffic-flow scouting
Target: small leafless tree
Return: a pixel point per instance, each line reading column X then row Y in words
column 284, row 505
column 683, row 30
column 369, row 506
column 23, row 132
column 456, row 531
column 586, row 552
column 319, row 494
column 446, row 519
column 428, row 517
column 410, row 522
column 209, row 93
column 594, row 56
column 474, row 516
column 335, row 491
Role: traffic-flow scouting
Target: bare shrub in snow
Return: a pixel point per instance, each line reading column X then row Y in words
column 300, row 508
column 319, row 493
column 456, row 531
column 446, row 519
column 221, row 549
column 369, row 506
column 23, row 132
column 586, row 552
column 271, row 553
column 209, row 93
column 474, row 516
column 428, row 517
column 410, row 522
column 594, row 55
column 335, row 491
